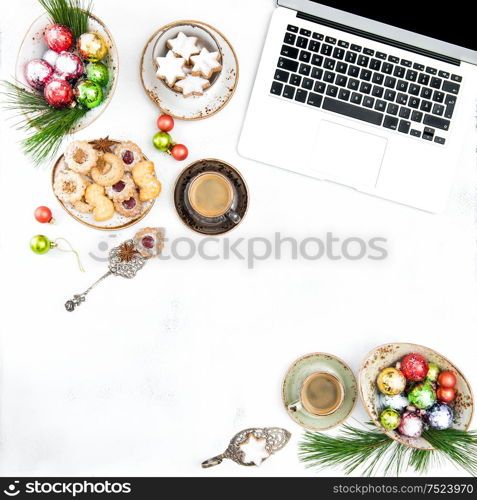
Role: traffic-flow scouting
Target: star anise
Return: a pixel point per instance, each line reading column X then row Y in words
column 127, row 252
column 103, row 145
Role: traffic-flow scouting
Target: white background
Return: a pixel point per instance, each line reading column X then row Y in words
column 151, row 376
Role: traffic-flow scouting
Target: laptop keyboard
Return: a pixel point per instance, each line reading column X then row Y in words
column 370, row 86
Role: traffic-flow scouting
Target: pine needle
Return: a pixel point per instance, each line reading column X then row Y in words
column 369, row 449
column 47, row 126
column 71, row 13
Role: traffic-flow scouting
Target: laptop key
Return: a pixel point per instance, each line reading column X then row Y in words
column 387, row 68
column 363, row 61
column 426, row 106
column 295, row 80
column 317, row 60
column 414, row 89
column 411, row 75
column 316, row 73
column 330, row 39
column 305, row 56
column 392, row 109
column 426, row 92
column 404, row 126
column 307, row 83
column 277, row 88
column 456, row 78
column 351, row 57
column 288, row 64
column 305, row 32
column 404, row 112
column 365, row 88
column 399, row 72
column 290, row 38
column 375, row 64
column 341, row 80
column 381, row 55
column 347, row 109
column 378, row 91
column 368, row 102
column 450, row 106
column 344, row 94
column 451, row 87
column 281, row 76
column 342, row 67
column 319, row 87
column 289, row 92
column 436, row 122
column 438, row 109
column 356, row 98
column 418, row 67
column 291, row 52
column 353, row 84
column 368, row 52
column 405, row 62
column 402, row 86
column 415, row 133
column 326, row 50
column 353, row 71
column 439, row 140
column 314, row 46
column 436, row 83
column 292, row 28
column 332, row 91
column 416, row 116
column 402, row 99
column 380, row 105
column 390, row 95
column 444, row 74
column 304, row 69
column 302, row 42
column 343, row 44
column 390, row 82
column 431, row 71
column 438, row 96
column 318, row 36
column 301, row 95
column 329, row 64
column 314, row 99
column 393, row 59
column 390, row 122
column 423, row 79
column 338, row 53
column 329, row 77
column 356, row 48
column 414, row 102
column 378, row 78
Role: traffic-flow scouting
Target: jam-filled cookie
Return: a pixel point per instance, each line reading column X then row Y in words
column 122, row 190
column 69, row 186
column 108, row 171
column 80, row 156
column 129, row 153
column 149, row 241
column 131, row 207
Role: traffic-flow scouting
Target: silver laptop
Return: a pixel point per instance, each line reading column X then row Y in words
column 379, row 98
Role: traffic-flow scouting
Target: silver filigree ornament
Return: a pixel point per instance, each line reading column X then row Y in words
column 124, row 260
column 273, row 438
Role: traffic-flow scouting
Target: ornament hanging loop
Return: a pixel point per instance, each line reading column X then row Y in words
column 55, row 244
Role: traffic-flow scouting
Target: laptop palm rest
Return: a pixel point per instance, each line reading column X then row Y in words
column 347, row 155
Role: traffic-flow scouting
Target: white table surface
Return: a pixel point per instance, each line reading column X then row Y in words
column 151, row 376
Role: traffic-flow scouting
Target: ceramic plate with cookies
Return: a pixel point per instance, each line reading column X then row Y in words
column 105, row 184
column 189, row 69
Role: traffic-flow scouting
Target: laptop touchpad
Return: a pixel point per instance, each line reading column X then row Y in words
column 348, row 155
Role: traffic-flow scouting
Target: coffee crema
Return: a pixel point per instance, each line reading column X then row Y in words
column 210, row 194
column 321, row 394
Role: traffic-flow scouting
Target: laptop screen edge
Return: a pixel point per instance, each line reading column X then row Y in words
column 382, row 29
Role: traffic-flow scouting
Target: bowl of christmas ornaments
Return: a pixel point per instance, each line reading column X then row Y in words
column 187, row 59
column 66, row 70
column 407, row 389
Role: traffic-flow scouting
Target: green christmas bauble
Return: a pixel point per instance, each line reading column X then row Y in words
column 89, row 94
column 40, row 244
column 98, row 73
column 422, row 395
column 390, row 419
column 162, row 141
column 433, row 372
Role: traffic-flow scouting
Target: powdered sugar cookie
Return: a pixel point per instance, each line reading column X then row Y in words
column 206, row 63
column 80, row 156
column 192, row 85
column 69, row 186
column 170, row 68
column 183, row 46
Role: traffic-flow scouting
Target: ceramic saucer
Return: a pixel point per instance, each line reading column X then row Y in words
column 297, row 373
column 194, row 107
column 219, row 225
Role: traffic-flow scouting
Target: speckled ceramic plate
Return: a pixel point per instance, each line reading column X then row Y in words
column 33, row 47
column 116, row 222
column 299, row 371
column 387, row 355
column 218, row 225
column 193, row 107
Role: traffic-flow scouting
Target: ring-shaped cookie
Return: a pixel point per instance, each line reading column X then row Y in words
column 69, row 186
column 108, row 171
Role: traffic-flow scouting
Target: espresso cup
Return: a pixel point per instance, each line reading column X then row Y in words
column 211, row 195
column 321, row 394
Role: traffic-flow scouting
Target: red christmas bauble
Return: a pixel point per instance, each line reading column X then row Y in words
column 414, row 367
column 43, row 214
column 445, row 394
column 179, row 152
column 58, row 93
column 58, row 37
column 68, row 66
column 447, row 379
column 165, row 123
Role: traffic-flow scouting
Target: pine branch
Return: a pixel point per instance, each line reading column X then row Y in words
column 367, row 449
column 71, row 13
column 47, row 126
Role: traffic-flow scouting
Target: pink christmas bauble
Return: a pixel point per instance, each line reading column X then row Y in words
column 38, row 73
column 68, row 66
